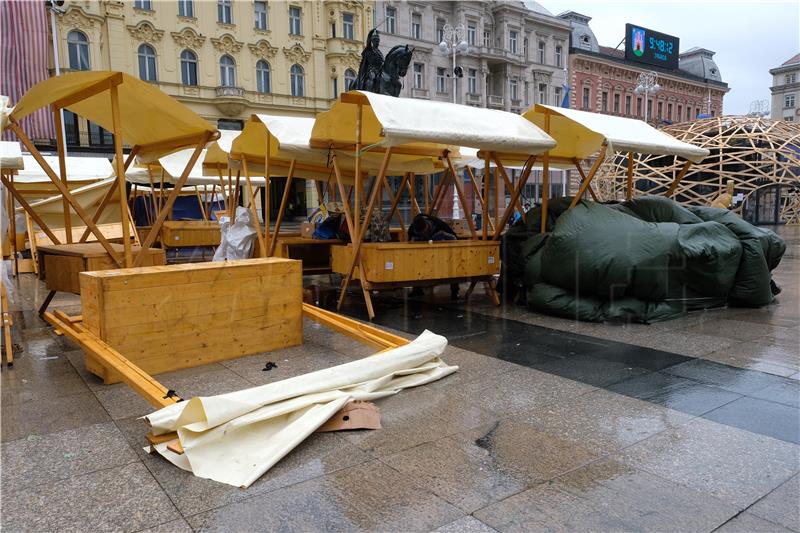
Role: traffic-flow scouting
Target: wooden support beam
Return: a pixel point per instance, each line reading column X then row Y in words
column 140, row 381
column 588, row 180
column 165, row 210
column 62, row 169
column 516, row 191
column 110, row 193
column 678, row 179
column 354, row 329
column 461, row 196
column 123, row 196
column 545, row 179
column 29, row 210
column 629, row 188
column 502, row 169
column 262, row 245
column 279, row 219
column 64, row 191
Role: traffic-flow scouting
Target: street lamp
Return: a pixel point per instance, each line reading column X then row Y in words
column 453, row 41
column 647, row 84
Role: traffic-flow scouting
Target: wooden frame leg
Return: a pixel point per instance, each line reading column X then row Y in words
column 46, row 302
column 588, row 180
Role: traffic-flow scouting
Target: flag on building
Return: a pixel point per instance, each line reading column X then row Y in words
column 24, row 41
column 565, row 86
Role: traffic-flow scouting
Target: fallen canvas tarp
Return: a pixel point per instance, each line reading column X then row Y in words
column 235, row 438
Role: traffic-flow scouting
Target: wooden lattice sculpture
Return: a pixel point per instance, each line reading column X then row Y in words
column 753, row 152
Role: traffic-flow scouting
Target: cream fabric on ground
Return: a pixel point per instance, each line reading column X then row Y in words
column 235, row 438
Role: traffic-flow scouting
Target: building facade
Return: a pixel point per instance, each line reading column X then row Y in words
column 516, row 51
column 224, row 59
column 786, row 90
column 603, row 81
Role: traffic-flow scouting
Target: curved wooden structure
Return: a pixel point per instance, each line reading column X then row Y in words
column 753, row 152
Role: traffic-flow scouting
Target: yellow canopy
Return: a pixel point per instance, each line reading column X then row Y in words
column 149, row 117
column 580, row 134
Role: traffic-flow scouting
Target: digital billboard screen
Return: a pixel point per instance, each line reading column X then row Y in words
column 651, row 47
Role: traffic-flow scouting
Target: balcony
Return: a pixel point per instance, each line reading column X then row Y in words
column 473, row 99
column 231, row 101
column 495, row 102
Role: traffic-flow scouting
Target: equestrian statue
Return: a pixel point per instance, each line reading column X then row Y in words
column 378, row 75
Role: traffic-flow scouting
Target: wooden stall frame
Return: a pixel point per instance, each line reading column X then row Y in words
column 158, row 395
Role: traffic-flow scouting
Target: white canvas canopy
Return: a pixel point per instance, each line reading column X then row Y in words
column 235, row 438
column 78, row 169
column 580, row 134
column 51, row 209
column 11, row 156
column 393, row 121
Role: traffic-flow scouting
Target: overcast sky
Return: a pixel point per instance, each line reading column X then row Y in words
column 749, row 38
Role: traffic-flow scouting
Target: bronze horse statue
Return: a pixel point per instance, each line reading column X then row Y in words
column 395, row 66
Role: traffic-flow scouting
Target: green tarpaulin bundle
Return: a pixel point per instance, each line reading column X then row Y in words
column 645, row 260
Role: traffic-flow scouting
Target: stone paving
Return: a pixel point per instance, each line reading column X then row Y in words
column 549, row 425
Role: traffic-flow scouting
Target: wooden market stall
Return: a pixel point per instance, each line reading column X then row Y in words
column 11, row 163
column 401, row 132
column 581, row 134
column 278, row 146
column 138, row 114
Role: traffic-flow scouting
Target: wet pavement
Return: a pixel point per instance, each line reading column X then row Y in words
column 550, row 424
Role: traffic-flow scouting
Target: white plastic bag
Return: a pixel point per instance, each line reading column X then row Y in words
column 236, row 240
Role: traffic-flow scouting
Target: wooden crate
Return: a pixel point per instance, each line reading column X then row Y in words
column 180, row 316
column 393, row 262
column 60, row 264
column 184, row 233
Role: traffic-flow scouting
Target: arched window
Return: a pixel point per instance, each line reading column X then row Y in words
column 227, row 71
column 78, row 48
column 298, row 81
column 147, row 63
column 349, row 78
column 263, row 80
column 188, row 67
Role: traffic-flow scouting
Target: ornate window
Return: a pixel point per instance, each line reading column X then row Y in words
column 512, row 42
column 441, row 80
column 227, row 71
column 419, row 76
column 541, row 52
column 188, row 67
column 349, row 78
column 143, row 4
column 543, row 93
column 416, row 26
column 472, row 33
column 472, row 81
column 559, row 56
column 147, row 63
column 348, row 26
column 295, row 21
column 260, row 14
column 298, row 80
column 263, row 77
column 78, row 48
column 186, row 8
column 586, row 97
column 225, row 11
column 557, row 96
column 513, row 90
column 391, row 20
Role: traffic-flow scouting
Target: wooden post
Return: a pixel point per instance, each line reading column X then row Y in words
column 65, row 192
column 545, row 178
column 162, row 215
column 678, row 179
column 62, row 168
column 502, row 170
column 583, row 177
column 267, row 176
column 107, row 198
column 284, row 201
column 358, row 178
column 484, row 201
column 588, row 180
column 515, row 192
column 359, row 237
column 498, row 193
column 425, row 186
column 123, row 195
column 629, row 189
column 461, row 196
column 251, row 200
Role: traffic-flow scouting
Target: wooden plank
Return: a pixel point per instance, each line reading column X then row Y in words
column 365, row 333
column 116, row 119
